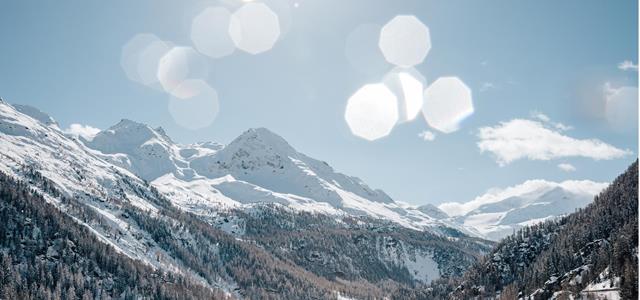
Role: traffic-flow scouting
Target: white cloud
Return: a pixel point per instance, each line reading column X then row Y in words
column 545, row 119
column 562, row 127
column 427, row 135
column 621, row 106
column 534, row 140
column 85, row 131
column 540, row 116
column 627, row 65
column 528, row 189
column 566, row 167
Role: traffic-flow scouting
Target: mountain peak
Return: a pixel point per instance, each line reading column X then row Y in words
column 150, row 152
column 262, row 140
column 261, row 133
column 260, row 130
column 127, row 123
column 127, row 135
column 133, row 132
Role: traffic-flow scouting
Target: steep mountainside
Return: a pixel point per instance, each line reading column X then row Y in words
column 256, row 167
column 356, row 249
column 46, row 254
column 593, row 251
column 256, row 247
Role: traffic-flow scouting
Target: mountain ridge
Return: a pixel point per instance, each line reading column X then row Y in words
column 260, row 166
column 144, row 220
column 259, row 163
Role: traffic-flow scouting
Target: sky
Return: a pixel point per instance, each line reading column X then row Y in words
column 540, row 74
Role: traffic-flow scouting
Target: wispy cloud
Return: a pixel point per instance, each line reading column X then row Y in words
column 566, row 167
column 537, row 140
column 85, row 131
column 628, row 65
column 545, row 119
column 427, row 135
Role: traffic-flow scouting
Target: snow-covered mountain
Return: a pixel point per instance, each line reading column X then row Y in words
column 256, row 167
column 260, row 167
column 33, row 149
column 131, row 175
column 499, row 213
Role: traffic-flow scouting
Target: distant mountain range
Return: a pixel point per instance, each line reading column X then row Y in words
column 500, row 213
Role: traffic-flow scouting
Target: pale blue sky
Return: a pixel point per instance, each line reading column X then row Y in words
column 63, row 57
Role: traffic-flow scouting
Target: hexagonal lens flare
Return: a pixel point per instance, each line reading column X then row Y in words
column 197, row 111
column 131, row 53
column 282, row 8
column 140, row 56
column 447, row 102
column 254, row 28
column 210, row 32
column 621, row 107
column 150, row 60
column 408, row 86
column 178, row 65
column 405, row 41
column 372, row 112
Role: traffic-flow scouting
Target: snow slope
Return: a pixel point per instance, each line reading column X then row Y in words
column 603, row 287
column 267, row 160
column 30, row 148
column 421, row 265
column 432, row 211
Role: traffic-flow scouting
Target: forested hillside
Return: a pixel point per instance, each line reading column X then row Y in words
column 51, row 254
column 373, row 251
column 47, row 255
column 593, row 245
